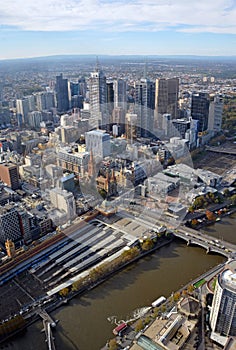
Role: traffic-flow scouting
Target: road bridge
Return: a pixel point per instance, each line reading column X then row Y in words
column 205, row 241
column 190, row 235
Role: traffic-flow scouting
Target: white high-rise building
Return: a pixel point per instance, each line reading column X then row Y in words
column 98, row 142
column 98, row 99
column 120, row 98
column 223, row 311
column 45, row 100
column 215, row 114
column 34, row 119
column 24, row 106
column 63, row 200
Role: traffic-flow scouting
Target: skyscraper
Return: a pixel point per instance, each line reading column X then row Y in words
column 166, row 99
column 24, row 106
column 131, row 127
column 144, row 106
column 118, row 118
column 9, row 175
column 200, row 109
column 215, row 114
column 44, row 100
column 120, row 99
column 34, row 119
column 110, row 101
column 10, row 227
column 62, row 94
column 98, row 99
column 223, row 311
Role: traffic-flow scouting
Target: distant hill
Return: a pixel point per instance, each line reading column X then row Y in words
column 120, row 57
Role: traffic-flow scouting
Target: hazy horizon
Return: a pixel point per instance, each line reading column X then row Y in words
column 117, row 27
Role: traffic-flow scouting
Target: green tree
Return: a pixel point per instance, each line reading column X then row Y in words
column 103, row 193
column 77, row 285
column 233, row 199
column 226, row 192
column 113, row 344
column 147, row 320
column 190, row 289
column 129, row 254
column 139, row 325
column 176, row 296
column 199, row 202
column 156, row 311
column 147, row 244
column 64, row 292
column 163, row 308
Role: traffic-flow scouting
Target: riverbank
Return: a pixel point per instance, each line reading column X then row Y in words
column 87, row 320
column 59, row 303
column 62, row 301
column 141, row 324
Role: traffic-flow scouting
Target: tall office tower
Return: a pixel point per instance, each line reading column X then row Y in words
column 131, row 127
column 82, row 88
column 23, row 107
column 10, row 227
column 215, row 114
column 98, row 99
column 166, row 99
column 200, row 109
column 74, row 88
column 223, row 311
column 110, row 100
column 144, row 106
column 98, row 142
column 62, row 94
column 32, row 105
column 120, row 97
column 118, row 118
column 34, row 119
column 45, row 100
column 110, row 92
column 9, row 175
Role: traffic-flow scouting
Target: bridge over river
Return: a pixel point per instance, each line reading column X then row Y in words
column 203, row 240
column 190, row 235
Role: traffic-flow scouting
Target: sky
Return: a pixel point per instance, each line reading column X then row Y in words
column 32, row 28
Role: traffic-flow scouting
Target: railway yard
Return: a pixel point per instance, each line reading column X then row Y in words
column 83, row 246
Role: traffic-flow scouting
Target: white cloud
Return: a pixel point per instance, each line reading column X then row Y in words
column 120, row 15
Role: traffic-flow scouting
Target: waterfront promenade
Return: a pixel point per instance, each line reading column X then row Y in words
column 145, row 224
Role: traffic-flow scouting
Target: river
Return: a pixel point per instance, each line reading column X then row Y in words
column 84, row 321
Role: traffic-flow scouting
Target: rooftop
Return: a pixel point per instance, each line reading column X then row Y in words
column 228, row 276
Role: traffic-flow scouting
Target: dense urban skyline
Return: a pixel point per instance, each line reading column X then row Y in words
column 117, row 27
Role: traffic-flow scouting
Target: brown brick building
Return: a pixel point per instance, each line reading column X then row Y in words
column 9, row 175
